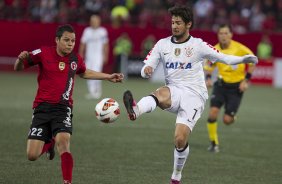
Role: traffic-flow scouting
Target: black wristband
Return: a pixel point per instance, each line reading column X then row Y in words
column 208, row 76
column 248, row 76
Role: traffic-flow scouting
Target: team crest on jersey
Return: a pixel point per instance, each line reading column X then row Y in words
column 189, row 51
column 62, row 65
column 73, row 65
column 177, row 51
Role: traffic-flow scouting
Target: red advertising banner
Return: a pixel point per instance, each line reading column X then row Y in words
column 264, row 73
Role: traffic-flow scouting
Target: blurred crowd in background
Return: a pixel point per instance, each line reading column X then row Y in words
column 243, row 15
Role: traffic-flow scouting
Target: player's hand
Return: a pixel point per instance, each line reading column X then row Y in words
column 116, row 77
column 23, row 55
column 243, row 86
column 148, row 70
column 209, row 83
column 250, row 59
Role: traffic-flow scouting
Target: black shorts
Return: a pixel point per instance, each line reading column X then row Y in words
column 228, row 95
column 50, row 119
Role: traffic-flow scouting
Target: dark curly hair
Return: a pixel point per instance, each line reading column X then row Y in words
column 185, row 12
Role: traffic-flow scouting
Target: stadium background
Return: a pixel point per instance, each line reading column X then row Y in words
column 25, row 24
column 141, row 152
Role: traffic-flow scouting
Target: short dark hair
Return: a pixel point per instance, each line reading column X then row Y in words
column 62, row 29
column 225, row 25
column 185, row 12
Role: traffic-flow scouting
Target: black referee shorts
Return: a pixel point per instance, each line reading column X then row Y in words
column 50, row 119
column 228, row 95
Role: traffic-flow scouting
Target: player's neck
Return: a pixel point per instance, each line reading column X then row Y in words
column 182, row 38
column 60, row 53
column 224, row 46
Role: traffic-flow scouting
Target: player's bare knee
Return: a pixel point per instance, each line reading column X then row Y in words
column 227, row 120
column 180, row 141
column 32, row 156
column 63, row 146
column 163, row 96
column 63, row 142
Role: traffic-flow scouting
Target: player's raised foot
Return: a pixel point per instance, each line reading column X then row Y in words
column 174, row 182
column 66, row 182
column 213, row 147
column 50, row 154
column 129, row 104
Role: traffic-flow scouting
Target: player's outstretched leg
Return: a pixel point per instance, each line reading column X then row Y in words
column 146, row 104
column 50, row 154
column 129, row 104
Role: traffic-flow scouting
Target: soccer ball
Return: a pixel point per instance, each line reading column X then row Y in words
column 107, row 110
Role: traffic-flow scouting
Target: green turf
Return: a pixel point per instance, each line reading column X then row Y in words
column 141, row 152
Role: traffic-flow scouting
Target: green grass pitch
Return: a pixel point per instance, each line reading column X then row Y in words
column 141, row 152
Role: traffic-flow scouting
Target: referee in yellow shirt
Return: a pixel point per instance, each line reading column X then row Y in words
column 231, row 83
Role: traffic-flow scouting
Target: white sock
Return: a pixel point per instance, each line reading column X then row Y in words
column 145, row 105
column 179, row 161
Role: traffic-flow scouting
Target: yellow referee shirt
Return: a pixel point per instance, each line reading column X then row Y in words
column 231, row 73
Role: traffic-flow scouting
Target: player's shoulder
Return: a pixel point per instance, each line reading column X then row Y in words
column 164, row 40
column 103, row 29
column 195, row 40
column 238, row 44
column 87, row 29
column 42, row 49
column 241, row 46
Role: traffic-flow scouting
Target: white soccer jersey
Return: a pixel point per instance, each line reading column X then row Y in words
column 94, row 40
column 183, row 62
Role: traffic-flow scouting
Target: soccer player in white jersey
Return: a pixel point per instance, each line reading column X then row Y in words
column 185, row 92
column 94, row 47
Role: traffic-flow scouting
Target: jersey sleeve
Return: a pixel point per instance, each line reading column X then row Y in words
column 153, row 57
column 245, row 50
column 33, row 59
column 84, row 36
column 81, row 65
column 212, row 54
column 105, row 38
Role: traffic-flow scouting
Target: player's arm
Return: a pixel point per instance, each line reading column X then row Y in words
column 82, row 47
column 234, row 60
column 91, row 74
column 244, row 84
column 214, row 55
column 106, row 52
column 208, row 68
column 251, row 67
column 18, row 66
column 151, row 61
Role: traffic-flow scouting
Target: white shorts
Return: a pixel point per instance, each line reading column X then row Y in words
column 187, row 104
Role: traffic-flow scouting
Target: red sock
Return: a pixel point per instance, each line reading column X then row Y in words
column 67, row 165
column 47, row 146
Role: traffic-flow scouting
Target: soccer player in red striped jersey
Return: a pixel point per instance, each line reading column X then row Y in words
column 52, row 116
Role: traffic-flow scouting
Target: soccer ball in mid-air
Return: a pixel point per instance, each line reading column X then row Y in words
column 107, row 110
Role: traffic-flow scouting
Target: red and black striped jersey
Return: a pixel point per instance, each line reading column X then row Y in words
column 55, row 76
